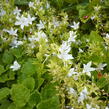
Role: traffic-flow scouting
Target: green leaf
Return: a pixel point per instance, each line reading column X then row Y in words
column 7, row 76
column 4, row 92
column 49, row 91
column 27, row 107
column 95, row 37
column 84, row 10
column 7, row 57
column 28, row 68
column 2, row 69
column 4, row 104
column 20, row 95
column 52, row 103
column 34, row 98
column 12, row 106
column 17, row 52
column 82, row 13
column 29, row 83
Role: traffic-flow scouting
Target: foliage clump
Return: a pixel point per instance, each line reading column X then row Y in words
column 54, row 54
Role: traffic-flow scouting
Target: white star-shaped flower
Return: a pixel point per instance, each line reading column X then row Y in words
column 32, row 39
column 87, row 68
column 65, row 47
column 80, row 50
column 72, row 72
column 72, row 36
column 72, row 91
column 75, row 25
column 32, row 45
column 31, row 4
column 47, row 5
column 16, row 11
column 106, row 107
column 93, row 17
column 41, row 35
column 65, row 56
column 15, row 66
column 2, row 12
column 41, row 25
column 55, row 23
column 30, row 19
column 64, row 50
column 88, row 106
column 97, row 8
column 101, row 66
column 107, row 36
column 15, row 43
column 38, row 36
column 83, row 95
column 11, row 31
column 22, row 21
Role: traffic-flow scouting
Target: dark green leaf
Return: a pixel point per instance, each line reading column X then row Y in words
column 12, row 106
column 52, row 103
column 28, row 68
column 7, row 76
column 95, row 37
column 49, row 91
column 2, row 69
column 4, row 104
column 17, row 52
column 4, row 92
column 7, row 57
column 34, row 98
column 20, row 95
column 29, row 83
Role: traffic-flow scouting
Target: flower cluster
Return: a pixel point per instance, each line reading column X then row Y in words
column 24, row 21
